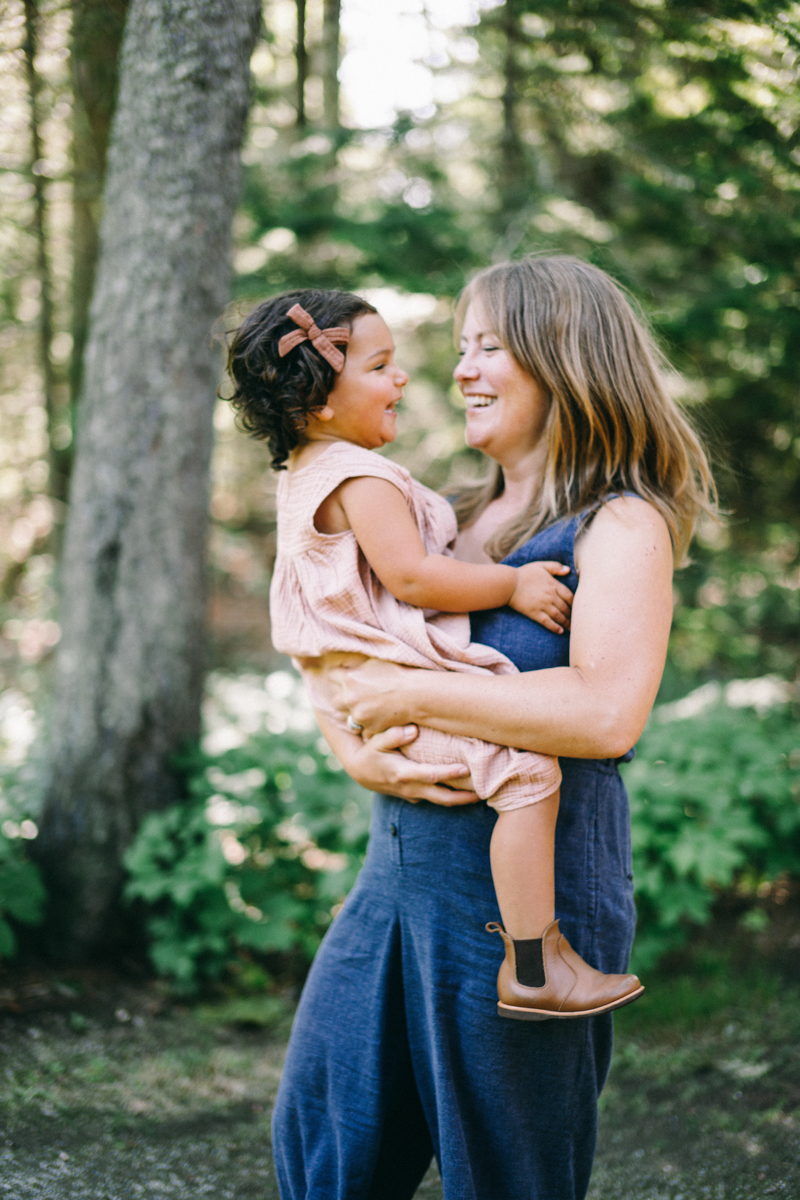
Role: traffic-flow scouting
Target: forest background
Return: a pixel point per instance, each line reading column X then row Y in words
column 658, row 141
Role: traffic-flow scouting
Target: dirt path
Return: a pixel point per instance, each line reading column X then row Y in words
column 107, row 1093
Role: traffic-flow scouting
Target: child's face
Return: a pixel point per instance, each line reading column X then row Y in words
column 360, row 408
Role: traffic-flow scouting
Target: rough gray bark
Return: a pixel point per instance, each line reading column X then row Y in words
column 330, row 64
column 512, row 182
column 97, row 27
column 57, row 484
column 129, row 669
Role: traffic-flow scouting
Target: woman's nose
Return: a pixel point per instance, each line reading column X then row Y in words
column 465, row 368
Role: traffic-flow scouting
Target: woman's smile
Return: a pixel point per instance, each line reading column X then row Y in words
column 507, row 409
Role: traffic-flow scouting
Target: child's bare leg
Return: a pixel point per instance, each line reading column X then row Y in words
column 541, row 976
column 522, row 853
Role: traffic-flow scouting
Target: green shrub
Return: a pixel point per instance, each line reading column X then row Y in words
column 273, row 835
column 22, row 893
column 715, row 804
column 738, row 614
column 257, row 859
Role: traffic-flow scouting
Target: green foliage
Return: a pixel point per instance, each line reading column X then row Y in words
column 22, row 892
column 672, row 132
column 715, row 804
column 738, row 615
column 682, row 1002
column 272, row 838
column 251, row 1011
column 256, row 860
column 658, row 140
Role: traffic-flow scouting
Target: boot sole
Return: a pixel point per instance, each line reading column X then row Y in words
column 542, row 1014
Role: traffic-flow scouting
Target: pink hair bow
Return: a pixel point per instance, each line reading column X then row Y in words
column 321, row 339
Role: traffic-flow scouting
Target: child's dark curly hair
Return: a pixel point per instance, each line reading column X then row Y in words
column 275, row 395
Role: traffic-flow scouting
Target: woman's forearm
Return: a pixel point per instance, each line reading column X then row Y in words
column 554, row 711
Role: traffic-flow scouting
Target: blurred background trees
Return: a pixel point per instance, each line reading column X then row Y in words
column 660, row 141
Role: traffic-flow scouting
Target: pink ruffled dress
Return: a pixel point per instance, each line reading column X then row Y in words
column 329, row 608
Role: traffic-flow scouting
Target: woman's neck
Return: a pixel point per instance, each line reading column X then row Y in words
column 521, row 480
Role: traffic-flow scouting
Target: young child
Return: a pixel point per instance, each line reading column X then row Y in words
column 364, row 569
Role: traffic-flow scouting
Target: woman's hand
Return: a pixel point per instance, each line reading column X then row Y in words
column 377, row 766
column 376, row 694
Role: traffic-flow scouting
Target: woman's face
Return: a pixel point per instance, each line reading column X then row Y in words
column 506, row 408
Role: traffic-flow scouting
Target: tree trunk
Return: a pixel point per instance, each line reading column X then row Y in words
column 301, row 59
column 513, row 191
column 330, row 64
column 97, row 27
column 130, row 663
column 57, row 463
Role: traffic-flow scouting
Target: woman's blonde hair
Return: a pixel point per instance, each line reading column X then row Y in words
column 612, row 425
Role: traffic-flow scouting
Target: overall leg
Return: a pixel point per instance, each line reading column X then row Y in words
column 512, row 1106
column 348, row 1123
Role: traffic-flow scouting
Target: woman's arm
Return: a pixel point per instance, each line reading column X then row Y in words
column 377, row 766
column 594, row 708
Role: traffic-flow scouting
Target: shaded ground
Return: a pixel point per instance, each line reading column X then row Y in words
column 107, row 1092
column 704, row 1094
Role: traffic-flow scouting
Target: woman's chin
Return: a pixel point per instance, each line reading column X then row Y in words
column 476, row 435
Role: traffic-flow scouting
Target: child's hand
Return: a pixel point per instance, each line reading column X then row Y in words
column 541, row 597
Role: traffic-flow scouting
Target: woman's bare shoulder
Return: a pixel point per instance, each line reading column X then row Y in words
column 626, row 525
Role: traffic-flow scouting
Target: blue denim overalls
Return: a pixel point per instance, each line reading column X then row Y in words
column 397, row 1052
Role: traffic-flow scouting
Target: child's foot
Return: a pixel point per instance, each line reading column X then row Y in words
column 571, row 987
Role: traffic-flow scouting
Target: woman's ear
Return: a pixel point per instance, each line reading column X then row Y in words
column 324, row 414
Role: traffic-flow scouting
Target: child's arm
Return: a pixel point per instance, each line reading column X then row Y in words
column 378, row 515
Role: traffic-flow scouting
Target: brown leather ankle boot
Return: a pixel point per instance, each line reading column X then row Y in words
column 571, row 989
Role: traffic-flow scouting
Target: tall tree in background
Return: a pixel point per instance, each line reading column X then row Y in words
column 330, row 64
column 513, row 190
column 130, row 663
column 58, row 459
column 301, row 64
column 97, row 27
column 664, row 143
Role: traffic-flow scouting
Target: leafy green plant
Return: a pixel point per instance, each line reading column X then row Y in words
column 273, row 834
column 738, row 613
column 22, row 893
column 715, row 804
column 257, row 859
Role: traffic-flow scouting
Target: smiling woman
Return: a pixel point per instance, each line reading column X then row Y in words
column 507, row 413
column 491, row 379
column 396, row 1051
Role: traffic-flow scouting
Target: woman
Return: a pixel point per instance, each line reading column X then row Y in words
column 397, row 1052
